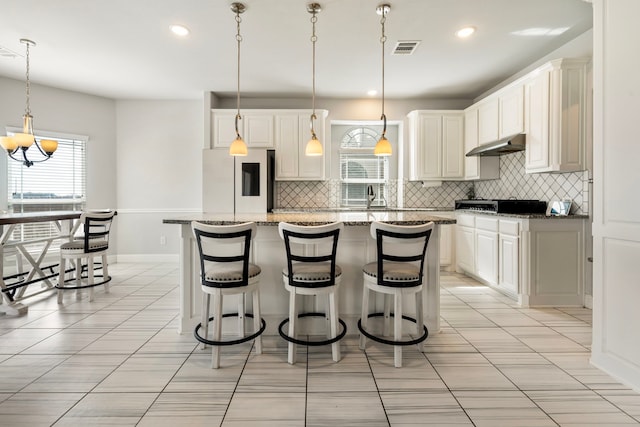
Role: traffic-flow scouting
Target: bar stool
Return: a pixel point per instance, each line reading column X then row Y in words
column 312, row 270
column 398, row 271
column 225, row 270
column 93, row 243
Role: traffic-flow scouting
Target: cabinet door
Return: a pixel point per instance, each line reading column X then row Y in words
column 487, row 256
column 446, row 244
column 310, row 167
column 258, row 130
column 470, row 142
column 465, row 248
column 509, row 264
column 511, row 106
column 223, row 129
column 452, row 146
column 429, row 146
column 537, row 103
column 287, row 135
column 488, row 121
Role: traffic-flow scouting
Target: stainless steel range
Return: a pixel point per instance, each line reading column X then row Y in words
column 509, row 206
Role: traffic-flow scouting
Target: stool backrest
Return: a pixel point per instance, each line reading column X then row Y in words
column 96, row 226
column 311, row 244
column 401, row 244
column 224, row 244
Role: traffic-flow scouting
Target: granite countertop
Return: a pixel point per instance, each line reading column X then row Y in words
column 349, row 218
column 523, row 216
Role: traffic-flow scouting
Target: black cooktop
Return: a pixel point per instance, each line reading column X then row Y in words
column 513, row 206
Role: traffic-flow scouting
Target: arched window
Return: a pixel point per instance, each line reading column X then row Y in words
column 359, row 168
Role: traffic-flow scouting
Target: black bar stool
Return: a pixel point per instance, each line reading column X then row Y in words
column 225, row 270
column 397, row 272
column 312, row 270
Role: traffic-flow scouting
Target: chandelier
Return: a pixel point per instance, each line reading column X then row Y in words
column 238, row 146
column 20, row 142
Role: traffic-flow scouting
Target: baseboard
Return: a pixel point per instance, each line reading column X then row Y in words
column 588, row 301
column 148, row 258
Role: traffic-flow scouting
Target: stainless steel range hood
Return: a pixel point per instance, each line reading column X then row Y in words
column 507, row 145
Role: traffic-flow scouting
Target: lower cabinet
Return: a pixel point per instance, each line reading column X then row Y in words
column 538, row 262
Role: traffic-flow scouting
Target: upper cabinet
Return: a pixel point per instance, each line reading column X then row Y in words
column 292, row 133
column 555, row 99
column 285, row 130
column 477, row 167
column 511, row 107
column 256, row 128
column 488, row 120
column 436, row 145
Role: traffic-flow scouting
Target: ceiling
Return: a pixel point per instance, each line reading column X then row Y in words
column 123, row 49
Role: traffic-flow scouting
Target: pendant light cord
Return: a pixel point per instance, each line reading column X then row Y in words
column 383, row 39
column 28, row 87
column 314, row 38
column 239, row 39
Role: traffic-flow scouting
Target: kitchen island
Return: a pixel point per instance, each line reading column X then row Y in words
column 355, row 249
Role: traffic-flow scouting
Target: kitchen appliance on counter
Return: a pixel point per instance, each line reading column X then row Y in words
column 507, row 206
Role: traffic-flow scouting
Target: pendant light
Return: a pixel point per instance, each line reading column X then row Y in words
column 314, row 147
column 383, row 147
column 238, row 146
column 25, row 139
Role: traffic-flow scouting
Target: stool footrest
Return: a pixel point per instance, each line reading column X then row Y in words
column 392, row 342
column 107, row 280
column 231, row 342
column 312, row 343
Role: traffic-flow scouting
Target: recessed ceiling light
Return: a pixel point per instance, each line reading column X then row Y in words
column 372, row 92
column 465, row 32
column 179, row 30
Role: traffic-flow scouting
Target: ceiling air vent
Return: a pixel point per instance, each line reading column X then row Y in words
column 405, row 47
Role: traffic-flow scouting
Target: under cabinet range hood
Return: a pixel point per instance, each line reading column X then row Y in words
column 502, row 146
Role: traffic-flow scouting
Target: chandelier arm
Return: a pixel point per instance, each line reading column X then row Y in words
column 35, row 142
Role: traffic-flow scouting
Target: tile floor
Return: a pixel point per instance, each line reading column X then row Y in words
column 119, row 361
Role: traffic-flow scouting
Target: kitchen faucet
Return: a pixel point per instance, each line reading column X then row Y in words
column 371, row 196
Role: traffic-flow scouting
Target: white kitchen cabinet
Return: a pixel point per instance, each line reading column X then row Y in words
column 465, row 243
column 436, row 145
column 292, row 133
column 488, row 120
column 487, row 249
column 511, row 107
column 538, row 262
column 256, row 128
column 509, row 257
column 555, row 112
column 477, row 167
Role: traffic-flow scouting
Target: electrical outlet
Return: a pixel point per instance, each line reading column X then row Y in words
column 163, row 240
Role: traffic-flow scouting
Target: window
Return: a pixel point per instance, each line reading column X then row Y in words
column 359, row 168
column 56, row 184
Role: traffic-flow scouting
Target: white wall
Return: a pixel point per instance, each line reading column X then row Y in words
column 159, row 174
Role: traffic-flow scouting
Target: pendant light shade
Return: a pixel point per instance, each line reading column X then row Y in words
column 238, row 146
column 314, row 146
column 383, row 146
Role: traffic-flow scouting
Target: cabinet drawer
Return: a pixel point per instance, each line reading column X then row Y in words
column 466, row 220
column 488, row 224
column 509, row 227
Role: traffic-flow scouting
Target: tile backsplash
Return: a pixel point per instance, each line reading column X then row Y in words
column 513, row 183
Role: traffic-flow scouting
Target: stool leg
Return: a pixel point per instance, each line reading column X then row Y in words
column 256, row 320
column 78, row 263
column 91, row 278
column 293, row 318
column 204, row 318
column 333, row 315
column 397, row 329
column 217, row 328
column 387, row 314
column 364, row 315
column 419, row 318
column 241, row 315
column 105, row 272
column 61, row 277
